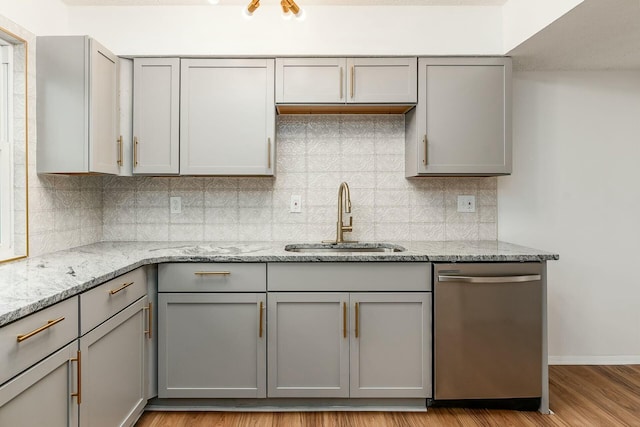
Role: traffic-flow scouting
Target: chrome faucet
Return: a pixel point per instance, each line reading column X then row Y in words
column 343, row 193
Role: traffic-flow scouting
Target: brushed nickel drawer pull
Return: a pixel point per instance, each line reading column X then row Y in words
column 78, row 393
column 49, row 324
column 261, row 322
column 124, row 286
column 212, row 273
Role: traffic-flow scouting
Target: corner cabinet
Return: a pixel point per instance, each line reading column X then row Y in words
column 462, row 122
column 77, row 90
column 156, row 116
column 346, row 80
column 227, row 117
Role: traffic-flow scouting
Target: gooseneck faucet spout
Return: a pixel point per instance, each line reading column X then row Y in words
column 344, row 204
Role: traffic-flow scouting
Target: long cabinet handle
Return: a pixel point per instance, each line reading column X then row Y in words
column 353, row 81
column 49, row 324
column 425, row 141
column 490, row 279
column 212, row 273
column 149, row 330
column 135, row 151
column 341, row 83
column 120, row 152
column 344, row 319
column 78, row 393
column 118, row 289
column 261, row 308
column 268, row 153
column 357, row 320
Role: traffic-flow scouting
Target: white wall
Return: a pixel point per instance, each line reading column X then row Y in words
column 523, row 18
column 575, row 191
column 335, row 30
column 40, row 17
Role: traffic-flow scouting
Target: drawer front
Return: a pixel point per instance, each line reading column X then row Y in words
column 34, row 346
column 99, row 304
column 350, row 276
column 212, row 277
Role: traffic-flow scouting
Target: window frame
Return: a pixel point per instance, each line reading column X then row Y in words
column 6, row 151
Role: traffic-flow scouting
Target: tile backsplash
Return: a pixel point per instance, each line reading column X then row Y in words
column 315, row 153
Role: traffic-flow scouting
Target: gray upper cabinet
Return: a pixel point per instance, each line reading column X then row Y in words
column 156, row 116
column 462, row 123
column 227, row 117
column 77, row 89
column 346, row 80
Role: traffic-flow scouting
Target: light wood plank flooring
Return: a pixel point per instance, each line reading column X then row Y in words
column 579, row 396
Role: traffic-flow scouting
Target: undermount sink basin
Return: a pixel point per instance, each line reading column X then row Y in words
column 344, row 247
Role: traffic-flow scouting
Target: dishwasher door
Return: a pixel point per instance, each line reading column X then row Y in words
column 488, row 331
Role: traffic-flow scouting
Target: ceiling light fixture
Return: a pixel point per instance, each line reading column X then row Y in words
column 289, row 8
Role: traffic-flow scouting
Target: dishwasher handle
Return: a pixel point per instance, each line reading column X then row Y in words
column 490, row 279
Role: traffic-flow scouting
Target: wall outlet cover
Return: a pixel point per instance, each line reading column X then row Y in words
column 296, row 203
column 466, row 203
column 176, row 204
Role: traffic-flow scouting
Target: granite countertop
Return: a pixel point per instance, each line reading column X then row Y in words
column 35, row 283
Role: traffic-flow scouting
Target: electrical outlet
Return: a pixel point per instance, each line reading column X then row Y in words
column 176, row 204
column 296, row 203
column 466, row 203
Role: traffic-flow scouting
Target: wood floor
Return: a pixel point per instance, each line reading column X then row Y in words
column 579, row 396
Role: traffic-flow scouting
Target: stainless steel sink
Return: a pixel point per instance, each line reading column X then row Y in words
column 344, row 247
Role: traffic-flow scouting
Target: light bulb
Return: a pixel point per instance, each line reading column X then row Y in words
column 301, row 16
column 246, row 14
column 286, row 15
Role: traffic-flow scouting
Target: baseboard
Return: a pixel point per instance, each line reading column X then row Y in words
column 594, row 360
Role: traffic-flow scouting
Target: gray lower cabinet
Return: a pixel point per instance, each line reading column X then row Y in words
column 308, row 344
column 113, row 368
column 462, row 122
column 212, row 345
column 390, row 345
column 325, row 344
column 42, row 395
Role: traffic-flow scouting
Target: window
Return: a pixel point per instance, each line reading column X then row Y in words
column 6, row 151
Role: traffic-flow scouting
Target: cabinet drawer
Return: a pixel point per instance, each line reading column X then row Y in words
column 99, row 304
column 34, row 346
column 212, row 277
column 350, row 276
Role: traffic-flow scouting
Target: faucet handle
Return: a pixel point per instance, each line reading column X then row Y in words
column 347, row 228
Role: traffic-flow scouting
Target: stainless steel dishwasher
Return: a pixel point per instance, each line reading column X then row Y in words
column 488, row 331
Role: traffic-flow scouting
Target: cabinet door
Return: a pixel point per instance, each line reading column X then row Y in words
column 113, row 369
column 311, row 80
column 390, row 345
column 156, row 116
column 211, row 345
column 41, row 396
column 308, row 345
column 382, row 80
column 463, row 116
column 227, row 117
column 103, row 110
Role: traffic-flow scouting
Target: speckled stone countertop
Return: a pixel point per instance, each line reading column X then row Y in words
column 35, row 283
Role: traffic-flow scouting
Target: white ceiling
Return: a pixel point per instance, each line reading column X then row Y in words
column 596, row 35
column 300, row 2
